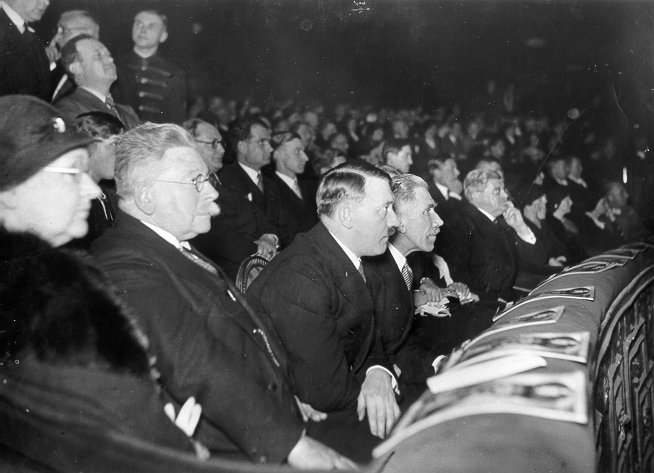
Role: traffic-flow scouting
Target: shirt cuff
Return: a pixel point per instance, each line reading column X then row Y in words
column 528, row 238
column 396, row 388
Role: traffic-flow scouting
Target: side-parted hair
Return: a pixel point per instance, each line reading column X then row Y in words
column 345, row 183
column 69, row 53
column 242, row 131
column 139, row 148
column 477, row 180
column 404, row 187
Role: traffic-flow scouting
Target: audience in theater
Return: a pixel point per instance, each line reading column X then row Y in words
column 209, row 344
column 334, row 336
column 249, row 201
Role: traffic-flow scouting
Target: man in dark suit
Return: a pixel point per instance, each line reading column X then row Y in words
column 249, row 203
column 71, row 23
column 321, row 300
column 208, row 342
column 482, row 249
column 148, row 82
column 24, row 64
column 444, row 185
column 297, row 197
column 89, row 63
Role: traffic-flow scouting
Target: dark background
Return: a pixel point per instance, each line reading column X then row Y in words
column 400, row 52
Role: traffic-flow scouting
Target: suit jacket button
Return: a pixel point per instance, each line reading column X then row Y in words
column 272, row 386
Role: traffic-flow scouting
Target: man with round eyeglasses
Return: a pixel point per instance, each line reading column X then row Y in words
column 209, row 344
column 209, row 141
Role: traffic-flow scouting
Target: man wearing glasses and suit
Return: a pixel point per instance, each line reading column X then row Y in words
column 209, row 344
column 249, row 203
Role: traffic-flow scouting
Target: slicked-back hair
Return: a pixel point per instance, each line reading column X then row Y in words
column 477, row 180
column 404, row 187
column 139, row 149
column 393, row 145
column 438, row 161
column 69, row 53
column 99, row 124
column 242, row 131
column 345, row 183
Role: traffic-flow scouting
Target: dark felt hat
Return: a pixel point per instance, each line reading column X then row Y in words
column 529, row 194
column 32, row 135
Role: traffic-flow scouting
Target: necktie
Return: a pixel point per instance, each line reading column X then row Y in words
column 111, row 105
column 296, row 188
column 360, row 269
column 407, row 274
column 260, row 181
column 197, row 260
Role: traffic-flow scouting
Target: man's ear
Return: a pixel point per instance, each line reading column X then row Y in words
column 241, row 146
column 143, row 197
column 345, row 215
column 75, row 69
column 163, row 37
column 401, row 228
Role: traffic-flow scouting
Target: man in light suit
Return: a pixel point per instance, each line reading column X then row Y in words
column 209, row 344
column 89, row 63
column 320, row 297
column 24, row 64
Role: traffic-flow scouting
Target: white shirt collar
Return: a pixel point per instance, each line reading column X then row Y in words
column 166, row 235
column 356, row 261
column 562, row 182
column 13, row 15
column 289, row 181
column 399, row 258
column 252, row 174
column 443, row 190
column 490, row 217
column 99, row 95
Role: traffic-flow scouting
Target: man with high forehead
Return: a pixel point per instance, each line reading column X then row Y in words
column 320, row 298
column 208, row 142
column 148, row 82
column 482, row 241
column 209, row 344
column 71, row 23
column 24, row 64
column 90, row 64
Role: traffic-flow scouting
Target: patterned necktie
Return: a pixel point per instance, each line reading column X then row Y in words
column 407, row 274
column 199, row 261
column 111, row 105
column 296, row 188
column 260, row 181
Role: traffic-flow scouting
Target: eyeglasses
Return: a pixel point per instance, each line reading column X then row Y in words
column 214, row 143
column 75, row 172
column 198, row 181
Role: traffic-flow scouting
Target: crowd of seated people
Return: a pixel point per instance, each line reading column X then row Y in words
column 377, row 222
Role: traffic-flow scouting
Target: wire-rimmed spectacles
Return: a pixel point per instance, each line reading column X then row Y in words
column 197, row 181
column 214, row 143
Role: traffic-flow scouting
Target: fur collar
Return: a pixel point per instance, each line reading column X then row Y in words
column 56, row 305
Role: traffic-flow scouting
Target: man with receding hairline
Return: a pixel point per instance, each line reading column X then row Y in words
column 320, row 297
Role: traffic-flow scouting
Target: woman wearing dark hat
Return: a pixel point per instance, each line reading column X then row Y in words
column 76, row 382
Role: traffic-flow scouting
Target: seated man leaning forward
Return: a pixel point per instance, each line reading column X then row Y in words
column 320, row 299
column 208, row 342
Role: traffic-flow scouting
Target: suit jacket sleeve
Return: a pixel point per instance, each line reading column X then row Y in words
column 311, row 337
column 194, row 361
